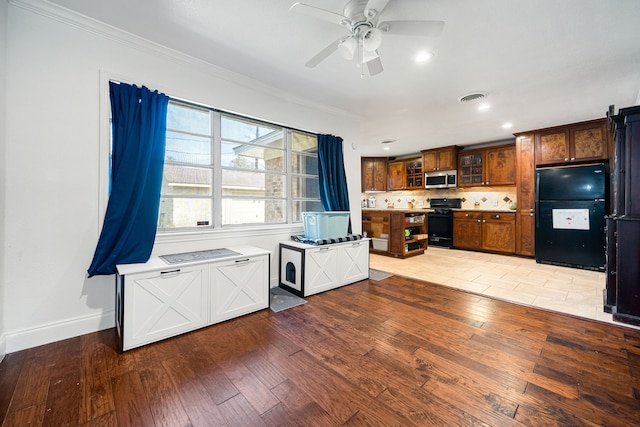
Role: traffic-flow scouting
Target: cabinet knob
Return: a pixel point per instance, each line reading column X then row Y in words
column 484, row 220
column 531, row 214
column 466, row 215
column 573, row 158
column 479, row 221
column 566, row 159
column 497, row 217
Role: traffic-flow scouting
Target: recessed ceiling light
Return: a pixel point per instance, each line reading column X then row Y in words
column 423, row 56
column 507, row 125
column 484, row 106
column 387, row 148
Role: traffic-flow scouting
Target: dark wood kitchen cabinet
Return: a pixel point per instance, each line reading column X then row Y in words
column 525, row 195
column 374, row 173
column 491, row 166
column 405, row 175
column 622, row 293
column 467, row 230
column 575, row 143
column 440, row 159
column 486, row 231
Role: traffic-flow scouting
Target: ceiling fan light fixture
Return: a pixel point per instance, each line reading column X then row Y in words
column 347, row 48
column 372, row 39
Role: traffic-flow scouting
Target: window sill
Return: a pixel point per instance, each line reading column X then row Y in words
column 228, row 233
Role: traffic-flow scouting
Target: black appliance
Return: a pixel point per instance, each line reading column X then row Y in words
column 441, row 179
column 440, row 221
column 570, row 209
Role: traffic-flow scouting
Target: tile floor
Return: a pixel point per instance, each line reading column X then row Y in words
column 519, row 280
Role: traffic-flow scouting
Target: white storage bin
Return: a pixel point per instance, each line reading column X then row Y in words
column 380, row 244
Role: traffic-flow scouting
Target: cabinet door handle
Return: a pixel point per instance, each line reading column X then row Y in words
column 242, row 260
column 466, row 215
column 566, row 159
column 479, row 221
column 573, row 158
column 484, row 220
column 497, row 216
column 176, row 271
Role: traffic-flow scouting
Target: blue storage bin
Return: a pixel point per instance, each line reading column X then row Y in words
column 325, row 225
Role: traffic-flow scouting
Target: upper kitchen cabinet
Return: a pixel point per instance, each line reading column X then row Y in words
column 374, row 173
column 440, row 159
column 579, row 142
column 487, row 166
column 405, row 175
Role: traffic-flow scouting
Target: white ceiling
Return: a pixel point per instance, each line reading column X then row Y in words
column 542, row 62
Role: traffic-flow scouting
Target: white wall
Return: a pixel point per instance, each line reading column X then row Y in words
column 57, row 66
column 3, row 79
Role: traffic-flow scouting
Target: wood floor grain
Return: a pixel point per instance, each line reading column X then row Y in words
column 395, row 352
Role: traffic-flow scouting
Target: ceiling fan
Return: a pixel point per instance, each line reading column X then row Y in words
column 361, row 18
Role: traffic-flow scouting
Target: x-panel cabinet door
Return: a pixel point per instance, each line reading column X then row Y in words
column 321, row 270
column 239, row 287
column 353, row 262
column 162, row 304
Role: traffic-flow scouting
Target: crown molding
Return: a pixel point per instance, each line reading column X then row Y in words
column 74, row 19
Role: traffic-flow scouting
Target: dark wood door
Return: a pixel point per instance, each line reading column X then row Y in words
column 374, row 173
column 500, row 168
column 467, row 230
column 589, row 142
column 552, row 147
column 525, row 188
column 395, row 176
column 498, row 232
column 632, row 165
column 447, row 159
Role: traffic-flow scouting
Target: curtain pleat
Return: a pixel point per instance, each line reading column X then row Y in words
column 139, row 118
column 334, row 194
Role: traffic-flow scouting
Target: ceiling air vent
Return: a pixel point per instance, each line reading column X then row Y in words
column 473, row 96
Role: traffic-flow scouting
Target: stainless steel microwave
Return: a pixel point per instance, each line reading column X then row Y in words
column 441, row 179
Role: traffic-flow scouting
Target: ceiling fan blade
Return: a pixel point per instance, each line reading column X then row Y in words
column 322, row 14
column 374, row 66
column 374, row 8
column 412, row 28
column 323, row 54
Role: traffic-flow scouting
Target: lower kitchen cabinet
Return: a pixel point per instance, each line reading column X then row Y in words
column 309, row 269
column 485, row 231
column 156, row 300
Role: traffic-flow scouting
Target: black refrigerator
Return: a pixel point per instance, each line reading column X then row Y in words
column 570, row 210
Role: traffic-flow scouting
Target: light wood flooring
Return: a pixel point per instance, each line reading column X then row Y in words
column 393, row 352
column 515, row 279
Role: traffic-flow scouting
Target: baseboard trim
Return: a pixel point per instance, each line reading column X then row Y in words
column 56, row 331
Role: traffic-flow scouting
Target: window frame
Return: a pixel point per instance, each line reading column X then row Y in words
column 216, row 198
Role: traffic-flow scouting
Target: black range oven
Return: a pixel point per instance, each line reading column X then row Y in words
column 440, row 221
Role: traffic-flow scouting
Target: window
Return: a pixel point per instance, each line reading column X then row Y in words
column 225, row 170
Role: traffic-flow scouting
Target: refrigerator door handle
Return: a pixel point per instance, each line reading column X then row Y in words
column 537, row 201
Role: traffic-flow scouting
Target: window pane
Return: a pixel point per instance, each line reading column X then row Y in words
column 183, row 212
column 188, row 119
column 305, row 187
column 252, row 184
column 185, row 148
column 305, row 206
column 304, row 164
column 252, row 211
column 245, row 156
column 183, row 180
column 304, row 143
column 251, row 131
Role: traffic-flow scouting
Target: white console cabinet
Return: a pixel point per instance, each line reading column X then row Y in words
column 156, row 300
column 309, row 269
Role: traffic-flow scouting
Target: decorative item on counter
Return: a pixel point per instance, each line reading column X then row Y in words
column 513, row 206
column 476, row 205
column 371, row 202
column 409, row 205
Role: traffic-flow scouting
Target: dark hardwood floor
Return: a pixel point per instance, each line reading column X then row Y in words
column 396, row 352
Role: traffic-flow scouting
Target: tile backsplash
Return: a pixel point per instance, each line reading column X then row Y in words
column 486, row 199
